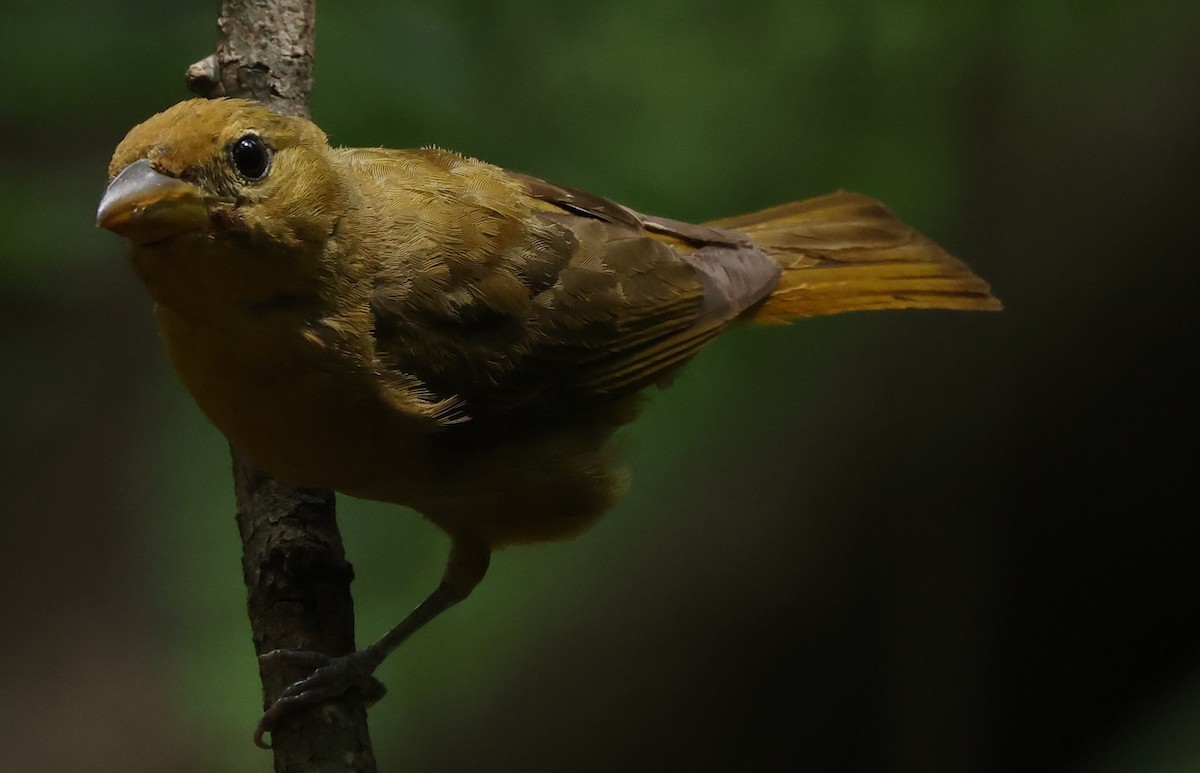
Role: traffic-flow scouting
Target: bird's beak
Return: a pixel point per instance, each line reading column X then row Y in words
column 145, row 205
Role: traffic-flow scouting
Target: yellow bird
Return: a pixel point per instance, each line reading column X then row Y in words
column 419, row 327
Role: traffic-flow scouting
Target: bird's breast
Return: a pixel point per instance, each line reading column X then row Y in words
column 304, row 412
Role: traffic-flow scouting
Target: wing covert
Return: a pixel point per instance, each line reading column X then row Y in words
column 525, row 299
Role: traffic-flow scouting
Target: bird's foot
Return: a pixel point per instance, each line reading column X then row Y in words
column 330, row 678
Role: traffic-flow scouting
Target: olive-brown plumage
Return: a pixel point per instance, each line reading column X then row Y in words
column 423, row 328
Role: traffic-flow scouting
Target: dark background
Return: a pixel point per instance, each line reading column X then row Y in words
column 883, row 542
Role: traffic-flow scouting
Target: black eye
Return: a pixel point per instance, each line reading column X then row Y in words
column 251, row 157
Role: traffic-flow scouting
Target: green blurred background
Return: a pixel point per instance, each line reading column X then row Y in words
column 888, row 542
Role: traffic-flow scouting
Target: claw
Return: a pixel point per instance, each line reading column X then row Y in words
column 330, row 678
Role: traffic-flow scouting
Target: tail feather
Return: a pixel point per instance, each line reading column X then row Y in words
column 848, row 252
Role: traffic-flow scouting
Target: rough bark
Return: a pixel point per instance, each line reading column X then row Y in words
column 297, row 577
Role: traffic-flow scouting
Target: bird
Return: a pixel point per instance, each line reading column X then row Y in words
column 427, row 329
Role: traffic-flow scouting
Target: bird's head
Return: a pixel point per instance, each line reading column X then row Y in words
column 217, row 195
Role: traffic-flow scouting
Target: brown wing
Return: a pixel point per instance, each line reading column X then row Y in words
column 574, row 302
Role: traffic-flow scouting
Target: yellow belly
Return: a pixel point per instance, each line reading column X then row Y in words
column 297, row 409
column 308, row 414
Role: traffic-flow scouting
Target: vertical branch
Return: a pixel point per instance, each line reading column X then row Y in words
column 298, row 596
column 297, row 577
column 264, row 52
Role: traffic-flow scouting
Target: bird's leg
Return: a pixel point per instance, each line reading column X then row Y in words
column 333, row 676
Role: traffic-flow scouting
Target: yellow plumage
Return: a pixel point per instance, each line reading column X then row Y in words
column 423, row 328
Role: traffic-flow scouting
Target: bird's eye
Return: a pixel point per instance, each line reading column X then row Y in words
column 251, row 157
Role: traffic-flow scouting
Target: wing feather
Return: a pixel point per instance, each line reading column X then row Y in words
column 527, row 301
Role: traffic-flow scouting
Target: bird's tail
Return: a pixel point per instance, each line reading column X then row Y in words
column 848, row 252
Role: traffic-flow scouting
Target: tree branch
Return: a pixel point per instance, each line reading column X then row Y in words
column 297, row 577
